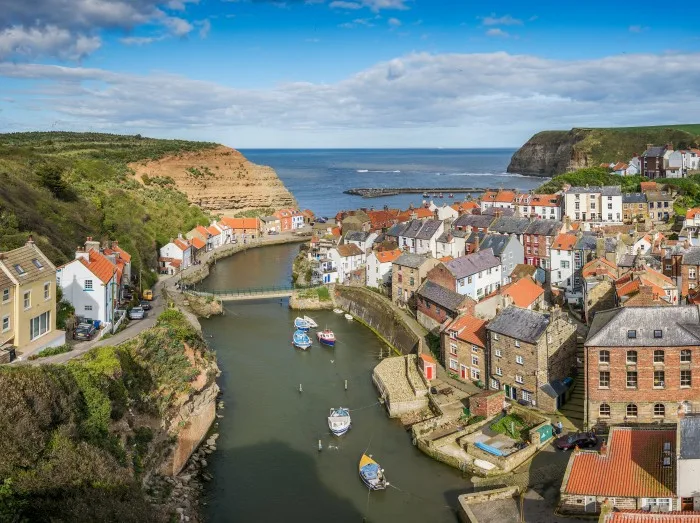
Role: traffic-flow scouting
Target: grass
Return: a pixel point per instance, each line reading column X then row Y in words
column 254, row 213
column 52, row 351
column 320, row 293
column 511, row 425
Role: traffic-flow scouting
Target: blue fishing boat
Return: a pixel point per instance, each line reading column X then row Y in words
column 371, row 473
column 326, row 337
column 339, row 421
column 301, row 340
column 301, row 324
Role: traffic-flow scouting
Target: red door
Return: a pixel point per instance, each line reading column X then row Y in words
column 429, row 372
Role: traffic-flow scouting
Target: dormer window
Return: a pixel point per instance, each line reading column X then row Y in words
column 631, row 334
column 19, row 269
column 37, row 263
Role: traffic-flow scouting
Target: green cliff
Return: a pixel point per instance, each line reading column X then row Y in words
column 554, row 152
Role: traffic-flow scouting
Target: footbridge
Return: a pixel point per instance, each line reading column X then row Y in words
column 256, row 293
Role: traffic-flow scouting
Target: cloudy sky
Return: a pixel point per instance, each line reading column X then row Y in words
column 346, row 73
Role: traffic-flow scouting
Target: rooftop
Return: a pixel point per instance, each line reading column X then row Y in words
column 26, row 264
column 356, row 236
column 469, row 329
column 472, row 263
column 411, row 260
column 632, row 197
column 388, row 256
column 523, row 292
column 605, row 190
column 644, row 516
column 689, row 427
column 476, row 221
column 521, row 324
column 510, row 225
column 564, row 242
column 445, row 298
column 544, row 227
column 496, row 242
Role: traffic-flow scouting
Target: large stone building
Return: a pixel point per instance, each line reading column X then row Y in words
column 530, row 353
column 408, row 272
column 435, row 305
column 639, row 364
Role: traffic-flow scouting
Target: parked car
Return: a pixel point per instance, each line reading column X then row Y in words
column 146, row 305
column 579, row 439
column 272, row 233
column 84, row 331
column 137, row 313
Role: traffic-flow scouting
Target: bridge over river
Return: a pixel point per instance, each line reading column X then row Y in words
column 257, row 293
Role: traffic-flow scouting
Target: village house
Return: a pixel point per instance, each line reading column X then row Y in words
column 634, row 167
column 502, row 199
column 201, row 232
column 475, row 275
column 640, row 363
column 216, row 236
column 593, row 204
column 530, row 354
column 465, row 207
column 290, row 219
column 122, row 260
column 240, row 229
column 420, row 236
column 472, row 242
column 636, row 469
column 380, row 221
column 524, row 293
column 507, row 249
column 364, row 240
column 379, row 267
column 270, row 224
column 691, row 226
column 499, row 212
column 407, row 274
column 690, row 271
column 463, row 345
column 452, row 243
column 630, row 285
column 538, row 239
column 435, row 305
column 510, row 225
column 675, row 165
column 620, row 168
column 544, row 206
column 660, row 205
column 416, row 213
column 652, row 161
column 356, row 221
column 599, row 276
column 635, row 207
column 176, row 250
column 562, row 261
column 475, row 222
column 27, row 302
column 346, row 259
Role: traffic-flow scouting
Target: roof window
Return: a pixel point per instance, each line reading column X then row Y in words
column 631, row 334
column 658, row 333
column 37, row 263
column 19, row 269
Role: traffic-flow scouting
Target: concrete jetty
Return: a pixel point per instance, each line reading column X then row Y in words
column 376, row 192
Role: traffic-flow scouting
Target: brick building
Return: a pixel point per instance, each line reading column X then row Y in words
column 407, row 274
column 538, row 239
column 463, row 344
column 436, row 304
column 634, row 207
column 528, row 351
column 473, row 222
column 639, row 364
column 487, row 403
column 690, row 271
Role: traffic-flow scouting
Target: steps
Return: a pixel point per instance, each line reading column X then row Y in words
column 574, row 408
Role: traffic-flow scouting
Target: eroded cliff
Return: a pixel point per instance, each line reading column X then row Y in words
column 218, row 179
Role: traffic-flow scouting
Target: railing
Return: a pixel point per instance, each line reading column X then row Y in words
column 253, row 291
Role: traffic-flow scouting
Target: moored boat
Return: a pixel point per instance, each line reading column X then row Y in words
column 326, row 337
column 451, row 195
column 371, row 473
column 301, row 324
column 348, row 317
column 425, row 195
column 311, row 322
column 440, row 195
column 338, row 311
column 301, row 340
column 339, row 421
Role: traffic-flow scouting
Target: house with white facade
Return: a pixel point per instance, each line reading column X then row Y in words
column 363, row 239
column 545, row 206
column 452, row 243
column 217, row 237
column 634, row 167
column 475, row 275
column 420, row 236
column 327, row 271
column 594, row 204
column 506, row 248
column 675, row 164
column 179, row 250
column 500, row 199
column 445, row 213
column 562, row 261
column 346, row 258
column 378, row 269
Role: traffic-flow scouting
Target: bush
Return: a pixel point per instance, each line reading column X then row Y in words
column 475, row 419
column 323, row 294
column 52, row 351
column 511, row 425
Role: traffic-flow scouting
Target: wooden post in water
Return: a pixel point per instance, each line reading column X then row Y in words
column 300, row 389
column 346, row 384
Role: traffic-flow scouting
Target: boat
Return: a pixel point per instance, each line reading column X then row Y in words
column 425, row 195
column 301, row 340
column 451, row 195
column 311, row 322
column 440, row 195
column 339, row 421
column 326, row 337
column 348, row 317
column 301, row 324
column 371, row 473
column 338, row 311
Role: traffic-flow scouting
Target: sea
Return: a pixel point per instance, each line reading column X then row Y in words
column 318, row 177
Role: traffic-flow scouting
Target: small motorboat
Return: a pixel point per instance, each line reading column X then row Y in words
column 326, row 337
column 440, row 195
column 301, row 340
column 338, row 311
column 339, row 421
column 301, row 324
column 451, row 195
column 348, row 317
column 371, row 473
column 311, row 322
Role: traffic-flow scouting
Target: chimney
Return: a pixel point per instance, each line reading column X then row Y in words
column 30, row 241
column 649, row 146
column 81, row 253
column 90, row 244
column 604, row 449
column 115, row 244
column 669, row 146
column 476, row 243
column 179, row 236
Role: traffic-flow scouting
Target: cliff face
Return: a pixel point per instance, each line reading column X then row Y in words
column 549, row 153
column 219, row 179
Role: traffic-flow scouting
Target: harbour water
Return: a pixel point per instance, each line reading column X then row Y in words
column 318, row 177
column 267, row 466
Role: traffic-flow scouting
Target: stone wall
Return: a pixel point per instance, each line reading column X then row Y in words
column 465, row 513
column 378, row 314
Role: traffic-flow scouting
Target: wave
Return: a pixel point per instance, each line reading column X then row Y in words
column 369, row 171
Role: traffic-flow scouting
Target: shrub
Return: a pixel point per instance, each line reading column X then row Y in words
column 475, row 419
column 52, row 351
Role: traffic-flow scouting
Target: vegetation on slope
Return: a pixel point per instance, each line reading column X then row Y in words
column 74, row 438
column 591, row 176
column 61, row 187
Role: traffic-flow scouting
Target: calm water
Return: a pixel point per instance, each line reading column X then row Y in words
column 318, row 177
column 267, row 466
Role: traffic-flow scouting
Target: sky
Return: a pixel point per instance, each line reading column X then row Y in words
column 346, row 73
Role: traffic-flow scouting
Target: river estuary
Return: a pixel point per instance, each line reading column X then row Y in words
column 268, row 467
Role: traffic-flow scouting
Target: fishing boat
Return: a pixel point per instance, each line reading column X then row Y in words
column 301, row 324
column 371, row 473
column 348, row 317
column 440, row 195
column 451, row 195
column 326, row 337
column 425, row 195
column 301, row 340
column 339, row 421
column 338, row 311
column 311, row 322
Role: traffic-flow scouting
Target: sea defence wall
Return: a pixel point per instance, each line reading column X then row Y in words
column 378, row 313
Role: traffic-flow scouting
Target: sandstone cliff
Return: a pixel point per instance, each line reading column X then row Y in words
column 555, row 152
column 218, row 179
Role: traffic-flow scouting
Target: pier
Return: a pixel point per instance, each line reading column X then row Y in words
column 377, row 192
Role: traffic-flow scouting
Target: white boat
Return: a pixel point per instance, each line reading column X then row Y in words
column 338, row 311
column 311, row 322
column 339, row 421
column 301, row 340
column 301, row 324
column 326, row 337
column 348, row 317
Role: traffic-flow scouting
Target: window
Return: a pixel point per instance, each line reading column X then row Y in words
column 5, row 295
column 495, row 337
column 527, row 396
column 494, row 384
column 27, row 299
column 499, row 371
column 610, row 207
column 658, row 356
column 47, row 290
column 686, row 356
column 519, row 360
column 453, row 335
column 604, row 356
column 453, row 348
column 686, row 378
column 88, row 307
column 659, row 410
column 604, row 379
column 475, row 360
column 475, row 348
column 40, row 325
column 691, row 273
column 659, row 379
column 469, row 279
column 604, row 410
column 517, row 343
column 19, row 269
column 411, row 281
column 632, row 357
column 454, row 365
column 518, row 378
column 632, row 379
column 37, row 264
column 564, row 264
column 5, row 323
column 658, row 333
column 631, row 334
column 476, row 375
column 632, row 410
column 88, row 284
column 498, row 353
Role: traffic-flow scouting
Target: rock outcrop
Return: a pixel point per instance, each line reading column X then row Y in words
column 218, row 179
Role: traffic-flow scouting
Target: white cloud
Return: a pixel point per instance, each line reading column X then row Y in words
column 374, row 5
column 34, row 41
column 341, row 4
column 501, row 20
column 395, row 22
column 204, row 28
column 357, row 22
column 140, row 40
column 177, row 26
column 467, row 99
column 497, row 32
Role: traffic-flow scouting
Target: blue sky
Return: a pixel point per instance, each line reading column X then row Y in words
column 345, row 73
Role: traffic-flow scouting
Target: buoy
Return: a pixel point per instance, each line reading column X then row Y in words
column 346, row 384
column 300, row 389
column 320, row 447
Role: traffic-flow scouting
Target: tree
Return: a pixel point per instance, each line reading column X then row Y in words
column 50, row 175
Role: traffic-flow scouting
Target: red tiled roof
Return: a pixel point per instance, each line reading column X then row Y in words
column 182, row 245
column 446, row 258
column 524, row 292
column 176, row 263
column 420, row 213
column 388, row 256
column 203, row 231
column 213, row 230
column 381, row 219
column 100, row 266
column 464, row 206
column 632, row 466
column 504, row 197
column 469, row 329
column 594, row 268
column 628, row 288
column 197, row 243
column 488, row 196
column 564, row 242
column 692, row 213
column 428, row 358
column 241, row 223
column 643, row 516
column 619, row 166
column 545, row 200
column 648, row 186
column 122, row 253
column 335, row 231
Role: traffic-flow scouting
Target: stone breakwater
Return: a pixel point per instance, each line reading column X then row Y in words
column 377, row 192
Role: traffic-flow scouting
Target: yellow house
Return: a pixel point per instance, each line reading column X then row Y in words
column 28, row 301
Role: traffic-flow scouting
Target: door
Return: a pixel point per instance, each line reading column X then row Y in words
column 696, row 503
column 589, row 504
column 506, row 388
column 463, row 372
column 429, row 372
column 513, row 393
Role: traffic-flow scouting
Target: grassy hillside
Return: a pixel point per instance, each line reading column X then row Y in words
column 692, row 128
column 76, row 439
column 62, row 187
column 591, row 176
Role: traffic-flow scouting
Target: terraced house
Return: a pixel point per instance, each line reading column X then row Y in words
column 27, row 302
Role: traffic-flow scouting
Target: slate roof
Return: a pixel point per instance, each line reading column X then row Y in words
column 692, row 257
column 478, row 221
column 510, row 225
column 627, row 260
column 605, row 190
column 587, row 242
column 521, row 324
column 356, row 236
column 472, row 263
column 496, row 242
column 554, row 388
column 270, row 219
column 544, row 227
column 500, row 211
column 445, row 298
column 680, row 327
column 397, row 230
column 659, row 196
column 473, row 236
column 632, row 197
column 24, row 257
column 411, row 260
column 689, row 427
column 655, row 151
column 430, row 227
column 632, row 468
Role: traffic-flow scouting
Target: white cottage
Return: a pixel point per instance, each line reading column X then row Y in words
column 378, row 269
